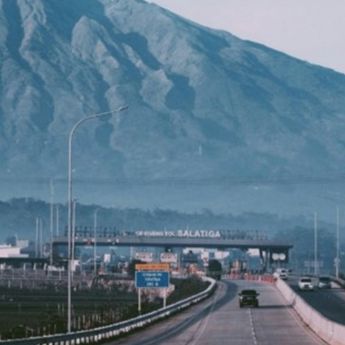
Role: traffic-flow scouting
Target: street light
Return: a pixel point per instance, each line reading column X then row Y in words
column 337, row 257
column 74, row 207
column 70, row 138
column 316, row 262
column 95, row 243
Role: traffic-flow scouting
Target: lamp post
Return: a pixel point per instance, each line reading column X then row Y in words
column 51, row 185
column 74, row 206
column 337, row 258
column 70, row 196
column 95, row 241
column 316, row 262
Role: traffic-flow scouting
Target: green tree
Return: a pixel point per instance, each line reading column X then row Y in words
column 131, row 267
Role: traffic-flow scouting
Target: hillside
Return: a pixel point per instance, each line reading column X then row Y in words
column 212, row 119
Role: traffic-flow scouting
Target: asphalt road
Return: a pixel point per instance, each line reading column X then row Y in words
column 328, row 302
column 219, row 320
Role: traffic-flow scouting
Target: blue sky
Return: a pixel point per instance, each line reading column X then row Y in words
column 312, row 30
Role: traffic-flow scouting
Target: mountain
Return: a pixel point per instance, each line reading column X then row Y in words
column 213, row 121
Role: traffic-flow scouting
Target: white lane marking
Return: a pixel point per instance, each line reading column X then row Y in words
column 301, row 324
column 255, row 340
column 204, row 321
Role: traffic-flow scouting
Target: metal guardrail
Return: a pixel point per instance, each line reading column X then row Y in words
column 110, row 331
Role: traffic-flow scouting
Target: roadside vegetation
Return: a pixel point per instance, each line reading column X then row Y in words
column 36, row 312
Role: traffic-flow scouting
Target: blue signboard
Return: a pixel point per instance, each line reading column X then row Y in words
column 151, row 279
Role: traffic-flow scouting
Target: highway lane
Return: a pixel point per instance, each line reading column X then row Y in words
column 219, row 320
column 328, row 302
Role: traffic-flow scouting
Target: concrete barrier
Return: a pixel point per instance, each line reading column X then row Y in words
column 339, row 281
column 331, row 332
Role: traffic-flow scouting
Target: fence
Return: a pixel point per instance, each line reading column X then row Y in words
column 111, row 331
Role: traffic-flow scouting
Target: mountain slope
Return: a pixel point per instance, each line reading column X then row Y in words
column 205, row 106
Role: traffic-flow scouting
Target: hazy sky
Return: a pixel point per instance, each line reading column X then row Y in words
column 312, row 30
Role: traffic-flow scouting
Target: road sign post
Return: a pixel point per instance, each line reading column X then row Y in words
column 165, row 298
column 139, row 301
column 151, row 279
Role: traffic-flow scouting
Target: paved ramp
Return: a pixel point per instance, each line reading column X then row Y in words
column 219, row 320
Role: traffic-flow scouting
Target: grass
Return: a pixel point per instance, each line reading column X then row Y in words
column 26, row 312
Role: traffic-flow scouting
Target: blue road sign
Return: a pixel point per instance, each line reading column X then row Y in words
column 151, row 279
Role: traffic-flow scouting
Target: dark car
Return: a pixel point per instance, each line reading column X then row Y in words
column 248, row 297
column 324, row 283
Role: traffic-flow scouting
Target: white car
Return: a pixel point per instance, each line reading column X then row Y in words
column 281, row 273
column 305, row 283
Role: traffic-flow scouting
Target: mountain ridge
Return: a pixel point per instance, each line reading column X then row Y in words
column 203, row 104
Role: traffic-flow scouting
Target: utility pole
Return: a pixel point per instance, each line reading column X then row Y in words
column 316, row 265
column 57, row 225
column 51, row 221
column 337, row 258
column 41, row 238
column 37, row 237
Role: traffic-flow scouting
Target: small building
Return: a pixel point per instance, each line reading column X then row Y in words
column 7, row 251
